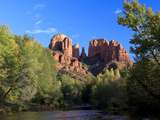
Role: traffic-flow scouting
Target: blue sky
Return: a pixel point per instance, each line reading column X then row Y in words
column 82, row 20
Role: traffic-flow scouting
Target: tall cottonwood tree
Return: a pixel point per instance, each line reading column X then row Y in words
column 144, row 81
column 26, row 68
column 9, row 62
column 146, row 27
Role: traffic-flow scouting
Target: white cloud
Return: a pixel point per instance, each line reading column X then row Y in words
column 38, row 22
column 39, row 6
column 50, row 30
column 118, row 11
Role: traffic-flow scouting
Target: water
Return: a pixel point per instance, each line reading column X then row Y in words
column 64, row 115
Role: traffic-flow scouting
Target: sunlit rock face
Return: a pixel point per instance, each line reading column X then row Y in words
column 104, row 54
column 66, row 54
column 61, row 43
column 108, row 51
column 101, row 54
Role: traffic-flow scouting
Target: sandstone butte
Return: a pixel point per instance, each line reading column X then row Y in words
column 101, row 54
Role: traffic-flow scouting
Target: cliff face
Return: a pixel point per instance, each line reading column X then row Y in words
column 106, row 54
column 83, row 55
column 66, row 55
column 61, row 42
column 108, row 51
column 101, row 54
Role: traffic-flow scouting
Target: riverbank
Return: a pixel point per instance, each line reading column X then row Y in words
column 32, row 107
column 81, row 111
column 69, row 115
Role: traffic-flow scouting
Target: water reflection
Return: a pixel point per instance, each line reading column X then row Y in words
column 63, row 115
column 59, row 115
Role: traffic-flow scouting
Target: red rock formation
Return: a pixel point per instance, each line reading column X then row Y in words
column 63, row 51
column 101, row 54
column 108, row 51
column 61, row 43
column 83, row 55
column 68, row 63
column 97, row 47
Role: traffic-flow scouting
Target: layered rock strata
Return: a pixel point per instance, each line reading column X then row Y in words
column 101, row 54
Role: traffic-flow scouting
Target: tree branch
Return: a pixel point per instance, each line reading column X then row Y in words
column 155, row 57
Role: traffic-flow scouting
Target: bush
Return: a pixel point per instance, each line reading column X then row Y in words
column 143, row 87
column 26, row 69
column 71, row 89
column 109, row 92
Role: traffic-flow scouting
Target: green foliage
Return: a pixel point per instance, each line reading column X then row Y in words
column 143, row 86
column 143, row 83
column 71, row 89
column 26, row 69
column 109, row 91
column 9, row 62
column 28, row 75
column 146, row 26
column 37, row 68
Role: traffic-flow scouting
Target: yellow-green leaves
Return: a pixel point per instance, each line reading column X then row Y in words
column 25, row 67
column 146, row 27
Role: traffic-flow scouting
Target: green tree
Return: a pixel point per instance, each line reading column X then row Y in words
column 109, row 92
column 146, row 27
column 143, row 87
column 9, row 62
column 38, row 68
column 27, row 70
column 143, row 81
column 71, row 89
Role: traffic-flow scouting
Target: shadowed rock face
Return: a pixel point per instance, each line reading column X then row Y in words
column 66, row 55
column 83, row 55
column 101, row 54
column 62, row 43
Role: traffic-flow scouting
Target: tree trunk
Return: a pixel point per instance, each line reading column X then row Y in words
column 8, row 91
